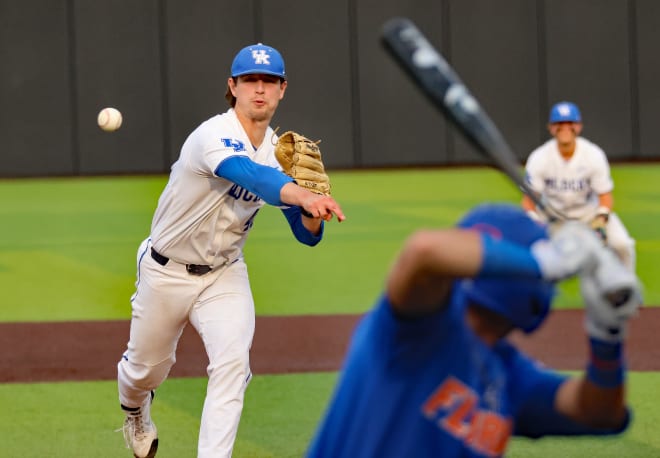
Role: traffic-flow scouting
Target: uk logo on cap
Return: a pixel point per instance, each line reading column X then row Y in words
column 564, row 109
column 565, row 112
column 258, row 59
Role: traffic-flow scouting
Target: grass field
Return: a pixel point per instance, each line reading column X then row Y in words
column 64, row 420
column 67, row 252
column 84, row 233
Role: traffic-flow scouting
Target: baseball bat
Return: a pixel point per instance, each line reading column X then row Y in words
column 438, row 80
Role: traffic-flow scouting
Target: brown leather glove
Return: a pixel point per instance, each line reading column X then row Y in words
column 300, row 158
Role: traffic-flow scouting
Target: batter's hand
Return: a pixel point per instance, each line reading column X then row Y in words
column 612, row 295
column 320, row 206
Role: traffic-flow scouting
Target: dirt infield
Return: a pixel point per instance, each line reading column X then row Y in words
column 41, row 352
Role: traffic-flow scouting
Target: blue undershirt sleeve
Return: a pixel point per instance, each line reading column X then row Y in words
column 301, row 233
column 266, row 182
column 506, row 259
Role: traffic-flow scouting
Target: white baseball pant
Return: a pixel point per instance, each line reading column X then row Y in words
column 220, row 307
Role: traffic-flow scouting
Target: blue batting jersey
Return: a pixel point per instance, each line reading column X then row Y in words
column 431, row 387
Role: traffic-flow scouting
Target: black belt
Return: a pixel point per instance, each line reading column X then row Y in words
column 192, row 269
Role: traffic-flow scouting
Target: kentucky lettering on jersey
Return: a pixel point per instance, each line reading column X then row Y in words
column 573, row 184
column 454, row 408
column 239, row 192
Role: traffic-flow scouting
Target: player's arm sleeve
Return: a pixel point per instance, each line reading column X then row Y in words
column 601, row 181
column 266, row 182
column 293, row 216
column 534, row 172
column 536, row 388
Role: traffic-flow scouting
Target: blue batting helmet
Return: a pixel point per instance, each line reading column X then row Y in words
column 524, row 302
column 258, row 58
column 565, row 112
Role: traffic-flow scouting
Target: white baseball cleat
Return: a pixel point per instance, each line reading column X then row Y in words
column 140, row 432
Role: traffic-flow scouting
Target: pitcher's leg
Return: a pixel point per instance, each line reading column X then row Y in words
column 225, row 321
column 160, row 307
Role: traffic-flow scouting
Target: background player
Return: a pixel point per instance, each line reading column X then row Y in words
column 428, row 372
column 191, row 267
column 573, row 174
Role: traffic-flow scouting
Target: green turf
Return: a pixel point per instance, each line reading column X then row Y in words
column 281, row 413
column 67, row 250
column 80, row 419
column 67, row 246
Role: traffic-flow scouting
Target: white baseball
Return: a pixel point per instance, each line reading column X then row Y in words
column 109, row 119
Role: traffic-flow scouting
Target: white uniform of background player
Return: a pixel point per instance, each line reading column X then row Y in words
column 573, row 174
column 191, row 267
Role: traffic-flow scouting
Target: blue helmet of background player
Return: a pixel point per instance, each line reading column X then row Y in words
column 524, row 302
column 258, row 59
column 565, row 112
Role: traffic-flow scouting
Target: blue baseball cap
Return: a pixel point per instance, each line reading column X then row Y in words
column 525, row 302
column 260, row 59
column 565, row 112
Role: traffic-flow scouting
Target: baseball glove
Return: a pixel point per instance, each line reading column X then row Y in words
column 599, row 224
column 301, row 159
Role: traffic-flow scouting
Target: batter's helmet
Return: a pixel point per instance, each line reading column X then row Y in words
column 565, row 112
column 524, row 302
column 258, row 58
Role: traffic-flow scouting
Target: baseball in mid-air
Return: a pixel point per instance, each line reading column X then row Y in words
column 109, row 119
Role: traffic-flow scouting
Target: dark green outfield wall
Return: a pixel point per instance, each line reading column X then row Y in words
column 164, row 65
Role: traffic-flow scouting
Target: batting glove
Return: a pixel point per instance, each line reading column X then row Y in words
column 599, row 223
column 612, row 295
column 572, row 249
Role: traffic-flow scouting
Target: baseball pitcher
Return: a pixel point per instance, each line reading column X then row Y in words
column 190, row 269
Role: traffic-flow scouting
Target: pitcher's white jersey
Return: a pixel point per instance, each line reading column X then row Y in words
column 202, row 218
column 571, row 186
